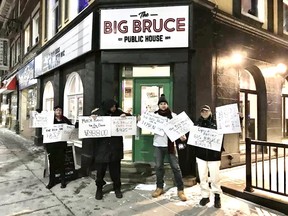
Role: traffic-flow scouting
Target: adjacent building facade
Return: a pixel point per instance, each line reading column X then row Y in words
column 196, row 52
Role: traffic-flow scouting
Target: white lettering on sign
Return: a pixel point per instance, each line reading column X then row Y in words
column 155, row 27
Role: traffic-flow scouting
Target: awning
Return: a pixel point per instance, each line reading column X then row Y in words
column 9, row 86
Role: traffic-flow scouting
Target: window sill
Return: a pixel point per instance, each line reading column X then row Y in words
column 251, row 20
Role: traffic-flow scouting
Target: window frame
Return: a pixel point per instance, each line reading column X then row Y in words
column 285, row 30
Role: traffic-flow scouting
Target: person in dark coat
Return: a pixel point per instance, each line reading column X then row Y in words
column 108, row 151
column 56, row 152
column 208, row 161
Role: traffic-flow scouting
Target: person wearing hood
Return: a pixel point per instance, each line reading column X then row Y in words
column 208, row 161
column 164, row 146
column 56, row 152
column 108, row 151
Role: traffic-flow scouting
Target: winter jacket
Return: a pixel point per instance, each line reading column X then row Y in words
column 108, row 149
column 203, row 153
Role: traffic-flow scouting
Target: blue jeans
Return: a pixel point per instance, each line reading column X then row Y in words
column 159, row 155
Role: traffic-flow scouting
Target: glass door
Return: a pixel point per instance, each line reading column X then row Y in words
column 146, row 95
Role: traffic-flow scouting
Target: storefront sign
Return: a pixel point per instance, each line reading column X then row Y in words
column 178, row 126
column 154, row 27
column 57, row 133
column 26, row 76
column 4, row 54
column 228, row 120
column 152, row 122
column 123, row 126
column 205, row 138
column 71, row 45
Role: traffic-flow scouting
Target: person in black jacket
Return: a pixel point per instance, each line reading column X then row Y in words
column 208, row 161
column 108, row 151
column 56, row 152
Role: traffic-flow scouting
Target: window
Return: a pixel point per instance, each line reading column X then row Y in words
column 52, row 18
column 73, row 94
column 66, row 10
column 82, row 4
column 18, row 48
column 48, row 97
column 13, row 59
column 27, row 39
column 285, row 16
column 35, row 29
column 31, row 100
column 253, row 9
column 46, row 15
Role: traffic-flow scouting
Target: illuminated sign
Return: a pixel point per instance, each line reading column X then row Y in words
column 156, row 27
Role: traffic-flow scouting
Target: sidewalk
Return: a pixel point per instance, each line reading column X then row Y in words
column 23, row 192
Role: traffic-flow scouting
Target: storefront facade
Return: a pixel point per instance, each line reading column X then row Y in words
column 9, row 97
column 27, row 98
column 137, row 52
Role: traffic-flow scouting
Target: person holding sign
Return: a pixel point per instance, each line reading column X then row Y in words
column 208, row 161
column 164, row 146
column 56, row 152
column 108, row 151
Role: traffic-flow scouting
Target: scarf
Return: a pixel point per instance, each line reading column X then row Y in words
column 167, row 113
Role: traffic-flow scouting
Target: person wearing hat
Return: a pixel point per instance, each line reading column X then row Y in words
column 208, row 161
column 108, row 151
column 56, row 152
column 164, row 146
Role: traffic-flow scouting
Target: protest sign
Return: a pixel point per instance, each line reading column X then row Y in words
column 152, row 122
column 93, row 128
column 205, row 138
column 178, row 126
column 43, row 119
column 57, row 133
column 122, row 126
column 228, row 120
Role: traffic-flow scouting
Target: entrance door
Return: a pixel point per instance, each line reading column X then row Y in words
column 248, row 107
column 146, row 95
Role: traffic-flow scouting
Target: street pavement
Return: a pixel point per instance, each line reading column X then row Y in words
column 23, row 191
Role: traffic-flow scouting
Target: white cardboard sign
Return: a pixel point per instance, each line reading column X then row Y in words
column 40, row 120
column 228, row 120
column 122, row 126
column 178, row 126
column 94, row 128
column 205, row 138
column 152, row 122
column 57, row 133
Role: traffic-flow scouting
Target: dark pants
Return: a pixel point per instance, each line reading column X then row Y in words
column 159, row 155
column 56, row 155
column 115, row 174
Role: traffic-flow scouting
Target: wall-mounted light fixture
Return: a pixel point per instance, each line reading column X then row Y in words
column 237, row 57
column 281, row 68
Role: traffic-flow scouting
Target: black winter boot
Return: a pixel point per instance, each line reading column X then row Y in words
column 118, row 193
column 99, row 193
column 217, row 201
column 51, row 181
column 63, row 183
column 204, row 201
